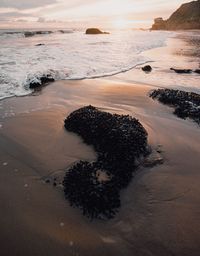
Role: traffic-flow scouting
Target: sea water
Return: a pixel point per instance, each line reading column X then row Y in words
column 71, row 54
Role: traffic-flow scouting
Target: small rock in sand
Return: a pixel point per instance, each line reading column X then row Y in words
column 153, row 159
column 5, row 163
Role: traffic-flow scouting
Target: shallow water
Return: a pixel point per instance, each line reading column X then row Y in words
column 70, row 55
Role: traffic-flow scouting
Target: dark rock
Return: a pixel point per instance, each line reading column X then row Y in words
column 43, row 80
column 84, row 190
column 47, row 181
column 95, row 31
column 181, row 71
column 39, row 44
column 54, row 184
column 43, row 32
column 33, row 33
column 147, row 68
column 186, row 104
column 197, row 71
column 29, row 33
column 120, row 141
column 185, row 17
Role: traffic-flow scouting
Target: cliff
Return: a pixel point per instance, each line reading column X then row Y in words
column 186, row 17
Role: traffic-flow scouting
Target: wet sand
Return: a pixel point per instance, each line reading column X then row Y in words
column 160, row 212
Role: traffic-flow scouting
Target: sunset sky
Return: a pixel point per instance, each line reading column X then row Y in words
column 80, row 13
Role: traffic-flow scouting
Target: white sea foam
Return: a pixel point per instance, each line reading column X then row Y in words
column 69, row 56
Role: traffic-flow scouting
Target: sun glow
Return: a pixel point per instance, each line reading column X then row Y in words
column 120, row 23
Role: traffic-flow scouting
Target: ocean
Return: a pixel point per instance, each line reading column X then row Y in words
column 71, row 54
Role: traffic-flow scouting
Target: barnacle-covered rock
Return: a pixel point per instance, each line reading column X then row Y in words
column 147, row 68
column 120, row 141
column 84, row 189
column 186, row 104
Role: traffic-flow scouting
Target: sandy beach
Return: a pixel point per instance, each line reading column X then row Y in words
column 160, row 208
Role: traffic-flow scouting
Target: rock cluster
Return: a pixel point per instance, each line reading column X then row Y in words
column 120, row 142
column 186, row 104
column 185, row 71
column 182, row 71
column 33, row 33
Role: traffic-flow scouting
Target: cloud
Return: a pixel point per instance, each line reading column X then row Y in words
column 21, row 20
column 11, row 15
column 25, row 4
column 40, row 19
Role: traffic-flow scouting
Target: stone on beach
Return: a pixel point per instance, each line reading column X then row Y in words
column 147, row 68
column 120, row 142
column 181, row 71
column 186, row 104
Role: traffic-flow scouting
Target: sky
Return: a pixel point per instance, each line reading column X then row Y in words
column 84, row 13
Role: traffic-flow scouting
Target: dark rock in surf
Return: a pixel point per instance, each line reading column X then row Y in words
column 197, row 71
column 186, row 104
column 147, row 68
column 29, row 33
column 39, row 44
column 43, row 80
column 95, row 31
column 182, row 71
column 120, row 142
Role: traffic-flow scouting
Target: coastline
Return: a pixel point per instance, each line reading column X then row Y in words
column 160, row 209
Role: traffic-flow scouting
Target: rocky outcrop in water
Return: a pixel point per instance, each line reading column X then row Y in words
column 95, row 31
column 41, row 81
column 186, row 104
column 186, row 17
column 120, row 142
column 33, row 33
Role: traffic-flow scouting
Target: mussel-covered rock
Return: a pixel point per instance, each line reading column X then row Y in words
column 121, row 137
column 120, row 141
column 83, row 188
column 147, row 68
column 186, row 104
column 181, row 71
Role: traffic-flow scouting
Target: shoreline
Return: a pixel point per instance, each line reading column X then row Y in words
column 177, row 49
column 156, row 207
